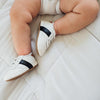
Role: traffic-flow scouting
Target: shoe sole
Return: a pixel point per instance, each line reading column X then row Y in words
column 22, row 73
column 37, row 39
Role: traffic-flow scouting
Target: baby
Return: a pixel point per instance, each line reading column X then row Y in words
column 77, row 15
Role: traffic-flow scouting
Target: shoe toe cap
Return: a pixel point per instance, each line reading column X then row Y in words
column 14, row 73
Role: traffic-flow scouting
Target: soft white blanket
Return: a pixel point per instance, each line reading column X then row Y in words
column 70, row 70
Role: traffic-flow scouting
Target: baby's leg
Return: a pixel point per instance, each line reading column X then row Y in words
column 78, row 15
column 21, row 15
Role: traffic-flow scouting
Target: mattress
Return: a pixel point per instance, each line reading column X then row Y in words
column 70, row 69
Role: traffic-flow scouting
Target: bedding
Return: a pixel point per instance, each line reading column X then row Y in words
column 70, row 70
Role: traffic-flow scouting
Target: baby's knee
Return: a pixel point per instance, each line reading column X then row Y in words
column 88, row 9
column 92, row 7
column 20, row 14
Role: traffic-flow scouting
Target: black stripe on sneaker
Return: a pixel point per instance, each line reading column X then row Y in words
column 27, row 64
column 45, row 30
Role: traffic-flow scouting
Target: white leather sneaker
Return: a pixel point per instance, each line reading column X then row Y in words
column 45, row 36
column 20, row 66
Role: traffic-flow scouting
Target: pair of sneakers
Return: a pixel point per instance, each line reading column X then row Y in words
column 25, row 63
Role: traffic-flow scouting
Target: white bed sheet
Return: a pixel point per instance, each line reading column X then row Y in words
column 70, row 70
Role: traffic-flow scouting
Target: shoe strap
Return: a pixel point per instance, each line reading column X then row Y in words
column 45, row 30
column 27, row 64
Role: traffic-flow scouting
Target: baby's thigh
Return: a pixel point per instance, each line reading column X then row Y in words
column 32, row 6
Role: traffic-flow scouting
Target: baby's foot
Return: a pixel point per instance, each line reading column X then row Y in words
column 45, row 36
column 20, row 66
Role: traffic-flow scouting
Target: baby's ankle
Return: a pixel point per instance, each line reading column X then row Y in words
column 24, row 53
column 56, row 29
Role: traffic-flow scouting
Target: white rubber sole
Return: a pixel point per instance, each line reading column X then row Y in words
column 37, row 40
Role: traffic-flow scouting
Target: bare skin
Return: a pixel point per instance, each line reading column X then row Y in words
column 21, row 14
column 78, row 14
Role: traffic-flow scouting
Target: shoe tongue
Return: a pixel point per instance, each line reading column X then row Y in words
column 24, row 56
column 19, row 58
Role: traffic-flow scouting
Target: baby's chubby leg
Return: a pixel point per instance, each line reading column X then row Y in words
column 79, row 13
column 21, row 15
